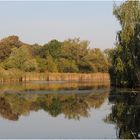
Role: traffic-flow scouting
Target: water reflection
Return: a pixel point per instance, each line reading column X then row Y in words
column 98, row 110
column 74, row 101
column 125, row 113
column 51, row 86
column 14, row 102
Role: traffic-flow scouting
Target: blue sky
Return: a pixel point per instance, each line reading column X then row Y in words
column 39, row 22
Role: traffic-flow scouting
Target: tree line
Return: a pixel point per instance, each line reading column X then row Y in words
column 72, row 55
column 75, row 56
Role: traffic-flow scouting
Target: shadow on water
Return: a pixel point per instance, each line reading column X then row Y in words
column 15, row 102
column 125, row 113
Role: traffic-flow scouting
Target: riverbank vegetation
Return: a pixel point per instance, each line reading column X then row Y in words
column 72, row 55
column 15, row 75
column 75, row 56
column 125, row 57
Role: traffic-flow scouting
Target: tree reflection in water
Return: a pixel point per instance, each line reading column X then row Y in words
column 125, row 114
column 73, row 106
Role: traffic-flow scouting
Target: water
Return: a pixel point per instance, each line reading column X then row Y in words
column 68, row 110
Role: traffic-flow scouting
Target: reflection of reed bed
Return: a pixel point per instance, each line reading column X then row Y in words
column 12, row 88
column 65, row 86
column 73, row 106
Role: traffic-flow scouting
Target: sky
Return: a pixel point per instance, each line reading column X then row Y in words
column 40, row 22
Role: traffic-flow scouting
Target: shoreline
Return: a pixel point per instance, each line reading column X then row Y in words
column 70, row 77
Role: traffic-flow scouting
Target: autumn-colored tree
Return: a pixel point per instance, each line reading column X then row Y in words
column 7, row 44
column 72, row 55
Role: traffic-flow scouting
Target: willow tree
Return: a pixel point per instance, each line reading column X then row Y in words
column 125, row 68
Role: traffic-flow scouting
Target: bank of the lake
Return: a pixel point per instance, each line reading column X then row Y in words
column 14, row 76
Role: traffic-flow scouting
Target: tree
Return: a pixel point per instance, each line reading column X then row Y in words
column 51, row 65
column 42, row 64
column 66, row 65
column 21, row 58
column 7, row 44
column 54, row 48
column 74, row 49
column 125, row 68
column 4, row 52
column 11, row 41
column 72, row 55
column 86, row 59
column 98, row 61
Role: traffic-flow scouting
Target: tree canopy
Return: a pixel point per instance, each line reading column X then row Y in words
column 72, row 55
column 125, row 69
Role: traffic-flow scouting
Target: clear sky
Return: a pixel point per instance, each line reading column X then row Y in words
column 40, row 22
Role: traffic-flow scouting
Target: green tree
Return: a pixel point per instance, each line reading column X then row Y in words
column 125, row 68
column 72, row 55
column 66, row 65
column 74, row 49
column 42, row 64
column 85, row 58
column 98, row 61
column 51, row 65
column 21, row 58
column 54, row 48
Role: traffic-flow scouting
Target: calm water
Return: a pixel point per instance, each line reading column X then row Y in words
column 68, row 110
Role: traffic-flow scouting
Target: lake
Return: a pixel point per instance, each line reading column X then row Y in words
column 68, row 110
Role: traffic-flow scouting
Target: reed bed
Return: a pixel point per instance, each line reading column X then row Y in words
column 94, row 77
column 9, row 76
column 14, row 75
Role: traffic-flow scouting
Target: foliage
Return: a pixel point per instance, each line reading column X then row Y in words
column 7, row 44
column 72, row 55
column 42, row 64
column 21, row 58
column 125, row 69
column 51, row 65
column 54, row 48
column 66, row 65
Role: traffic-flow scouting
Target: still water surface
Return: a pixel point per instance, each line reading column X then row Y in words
column 68, row 110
